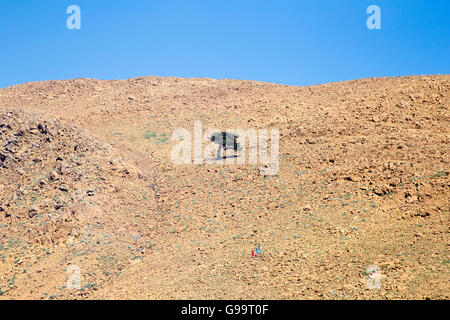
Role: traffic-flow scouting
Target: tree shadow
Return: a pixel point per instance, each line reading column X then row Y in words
column 224, row 157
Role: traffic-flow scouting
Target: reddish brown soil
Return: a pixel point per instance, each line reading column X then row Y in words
column 86, row 179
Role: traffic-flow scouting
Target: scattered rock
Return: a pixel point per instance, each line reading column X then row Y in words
column 32, row 213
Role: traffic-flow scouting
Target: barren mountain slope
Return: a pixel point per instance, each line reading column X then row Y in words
column 363, row 181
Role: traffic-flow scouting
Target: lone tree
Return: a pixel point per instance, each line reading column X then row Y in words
column 225, row 140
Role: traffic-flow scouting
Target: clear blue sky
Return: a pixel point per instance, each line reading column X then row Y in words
column 300, row 42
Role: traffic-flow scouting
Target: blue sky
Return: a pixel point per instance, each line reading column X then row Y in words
column 298, row 42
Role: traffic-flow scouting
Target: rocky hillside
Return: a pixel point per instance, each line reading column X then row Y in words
column 87, row 179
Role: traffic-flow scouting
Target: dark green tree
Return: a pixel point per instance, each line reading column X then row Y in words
column 225, row 140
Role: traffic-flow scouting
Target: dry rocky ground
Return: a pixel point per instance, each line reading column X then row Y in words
column 86, row 179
